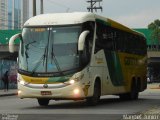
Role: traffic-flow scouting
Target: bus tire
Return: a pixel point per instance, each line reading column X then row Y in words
column 133, row 94
column 134, row 91
column 124, row 96
column 96, row 95
column 43, row 102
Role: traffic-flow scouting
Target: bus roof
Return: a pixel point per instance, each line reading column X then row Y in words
column 60, row 19
column 74, row 18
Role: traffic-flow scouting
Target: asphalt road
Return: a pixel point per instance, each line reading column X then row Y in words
column 109, row 108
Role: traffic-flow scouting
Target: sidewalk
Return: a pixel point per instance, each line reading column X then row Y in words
column 153, row 86
column 10, row 92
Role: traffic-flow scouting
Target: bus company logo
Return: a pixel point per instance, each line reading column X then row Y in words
column 130, row 61
column 45, row 86
column 99, row 60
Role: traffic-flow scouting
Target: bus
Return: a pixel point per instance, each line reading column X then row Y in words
column 79, row 56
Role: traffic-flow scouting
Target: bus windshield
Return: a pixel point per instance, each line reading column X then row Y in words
column 49, row 49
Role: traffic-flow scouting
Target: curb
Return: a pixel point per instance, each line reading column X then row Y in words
column 9, row 94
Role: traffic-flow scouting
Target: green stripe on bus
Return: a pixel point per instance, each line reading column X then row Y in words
column 114, row 66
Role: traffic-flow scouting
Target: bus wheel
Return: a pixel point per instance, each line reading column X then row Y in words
column 132, row 95
column 124, row 96
column 134, row 91
column 96, row 95
column 43, row 102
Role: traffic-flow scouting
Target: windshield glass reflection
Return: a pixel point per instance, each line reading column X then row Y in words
column 52, row 49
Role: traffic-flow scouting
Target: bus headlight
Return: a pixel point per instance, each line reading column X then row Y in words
column 20, row 80
column 23, row 82
column 71, row 81
column 74, row 79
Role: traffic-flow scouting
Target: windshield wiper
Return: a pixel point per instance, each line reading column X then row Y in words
column 26, row 51
column 53, row 58
column 42, row 59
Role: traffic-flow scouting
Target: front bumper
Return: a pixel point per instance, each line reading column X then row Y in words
column 74, row 91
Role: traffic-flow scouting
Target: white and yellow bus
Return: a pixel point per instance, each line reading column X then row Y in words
column 79, row 56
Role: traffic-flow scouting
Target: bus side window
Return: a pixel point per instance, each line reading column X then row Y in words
column 105, row 38
column 98, row 43
column 100, row 37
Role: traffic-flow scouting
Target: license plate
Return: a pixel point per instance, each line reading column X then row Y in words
column 46, row 93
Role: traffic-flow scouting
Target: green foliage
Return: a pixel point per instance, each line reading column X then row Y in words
column 155, row 28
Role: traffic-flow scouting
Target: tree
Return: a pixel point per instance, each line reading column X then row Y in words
column 155, row 28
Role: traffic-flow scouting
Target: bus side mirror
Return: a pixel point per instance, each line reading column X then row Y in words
column 11, row 42
column 82, row 39
column 17, row 59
